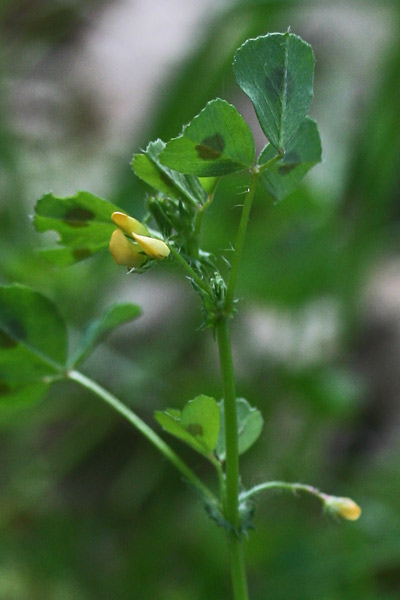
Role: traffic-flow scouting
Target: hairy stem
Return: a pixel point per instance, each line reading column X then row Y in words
column 241, row 234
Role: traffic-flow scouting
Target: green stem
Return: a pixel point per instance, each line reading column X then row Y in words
column 231, row 433
column 192, row 273
column 202, row 210
column 269, row 163
column 256, row 173
column 241, row 234
column 231, row 499
column 283, row 485
column 151, row 435
column 238, row 569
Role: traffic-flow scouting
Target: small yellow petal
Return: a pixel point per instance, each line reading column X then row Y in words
column 153, row 247
column 128, row 224
column 124, row 252
column 345, row 508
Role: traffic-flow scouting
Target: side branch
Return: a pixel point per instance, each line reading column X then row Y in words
column 147, row 431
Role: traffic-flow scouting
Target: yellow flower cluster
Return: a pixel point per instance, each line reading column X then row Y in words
column 131, row 245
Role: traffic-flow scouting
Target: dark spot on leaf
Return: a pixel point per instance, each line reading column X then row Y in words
column 211, row 147
column 165, row 179
column 195, row 429
column 4, row 388
column 292, row 157
column 13, row 325
column 81, row 253
column 274, row 83
column 78, row 216
column 286, row 169
column 6, row 341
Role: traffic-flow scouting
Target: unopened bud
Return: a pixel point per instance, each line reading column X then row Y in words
column 128, row 224
column 154, row 248
column 345, row 508
column 124, row 252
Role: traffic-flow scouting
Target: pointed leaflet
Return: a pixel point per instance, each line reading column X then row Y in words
column 303, row 153
column 97, row 330
column 276, row 71
column 148, row 167
column 250, row 424
column 197, row 425
column 83, row 222
column 33, row 343
column 217, row 142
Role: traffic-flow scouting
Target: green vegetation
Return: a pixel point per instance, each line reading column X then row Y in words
column 104, row 515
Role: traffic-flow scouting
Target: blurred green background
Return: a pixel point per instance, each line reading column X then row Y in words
column 87, row 508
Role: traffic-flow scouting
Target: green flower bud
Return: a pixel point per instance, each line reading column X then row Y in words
column 345, row 508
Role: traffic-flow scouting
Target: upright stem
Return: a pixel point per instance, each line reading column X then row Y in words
column 231, row 500
column 231, row 432
column 256, row 173
column 238, row 568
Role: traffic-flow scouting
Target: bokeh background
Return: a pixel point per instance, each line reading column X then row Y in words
column 87, row 508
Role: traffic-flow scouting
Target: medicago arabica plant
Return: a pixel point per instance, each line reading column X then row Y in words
column 276, row 72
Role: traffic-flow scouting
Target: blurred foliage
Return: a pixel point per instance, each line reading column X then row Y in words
column 86, row 507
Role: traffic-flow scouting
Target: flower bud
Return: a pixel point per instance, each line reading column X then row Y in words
column 129, row 225
column 152, row 247
column 345, row 508
column 124, row 252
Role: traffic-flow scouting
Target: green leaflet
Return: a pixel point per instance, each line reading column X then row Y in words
column 276, row 71
column 83, row 223
column 250, row 424
column 97, row 330
column 197, row 425
column 33, row 344
column 303, row 153
column 217, row 142
column 148, row 167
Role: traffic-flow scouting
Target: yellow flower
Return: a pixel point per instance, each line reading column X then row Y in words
column 126, row 253
column 136, row 249
column 345, row 508
column 153, row 247
column 128, row 224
